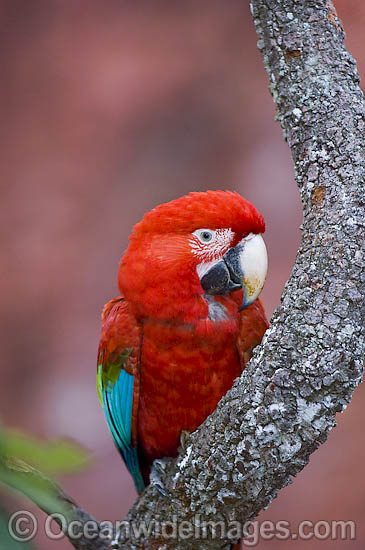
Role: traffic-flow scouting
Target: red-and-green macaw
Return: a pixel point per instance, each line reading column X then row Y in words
column 185, row 323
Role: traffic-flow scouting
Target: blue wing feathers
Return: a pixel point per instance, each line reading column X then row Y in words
column 128, row 419
column 117, row 401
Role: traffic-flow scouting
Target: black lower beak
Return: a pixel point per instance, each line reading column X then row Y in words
column 232, row 260
column 226, row 275
column 218, row 280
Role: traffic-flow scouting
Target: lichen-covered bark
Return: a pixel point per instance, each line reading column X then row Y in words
column 310, row 361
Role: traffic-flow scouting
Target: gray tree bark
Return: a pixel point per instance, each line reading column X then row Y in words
column 310, row 361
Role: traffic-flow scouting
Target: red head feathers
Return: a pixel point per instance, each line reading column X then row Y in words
column 199, row 244
column 212, row 209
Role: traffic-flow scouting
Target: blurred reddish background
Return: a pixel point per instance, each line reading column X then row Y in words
column 108, row 109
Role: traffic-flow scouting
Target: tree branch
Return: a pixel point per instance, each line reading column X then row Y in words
column 310, row 361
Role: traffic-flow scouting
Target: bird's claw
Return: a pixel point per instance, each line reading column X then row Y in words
column 157, row 473
column 184, row 436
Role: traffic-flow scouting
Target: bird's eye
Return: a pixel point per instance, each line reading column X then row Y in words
column 205, row 235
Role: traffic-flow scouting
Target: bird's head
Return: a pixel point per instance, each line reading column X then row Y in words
column 185, row 250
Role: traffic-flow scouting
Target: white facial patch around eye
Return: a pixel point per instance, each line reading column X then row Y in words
column 210, row 251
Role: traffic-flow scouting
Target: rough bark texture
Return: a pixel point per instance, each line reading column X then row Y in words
column 310, row 361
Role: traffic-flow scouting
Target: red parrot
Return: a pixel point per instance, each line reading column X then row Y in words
column 185, row 323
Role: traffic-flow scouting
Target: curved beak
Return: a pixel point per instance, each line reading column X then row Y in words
column 247, row 263
column 244, row 266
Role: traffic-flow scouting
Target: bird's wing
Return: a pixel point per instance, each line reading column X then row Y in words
column 118, row 380
column 253, row 324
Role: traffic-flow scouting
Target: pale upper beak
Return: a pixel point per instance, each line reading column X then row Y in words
column 249, row 262
column 243, row 266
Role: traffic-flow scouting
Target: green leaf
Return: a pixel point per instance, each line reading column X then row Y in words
column 52, row 457
column 19, row 476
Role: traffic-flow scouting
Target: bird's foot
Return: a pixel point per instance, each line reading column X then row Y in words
column 184, row 439
column 157, row 473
